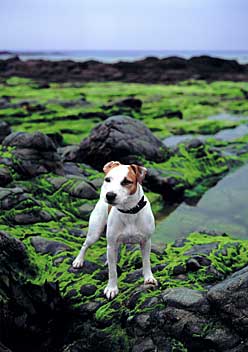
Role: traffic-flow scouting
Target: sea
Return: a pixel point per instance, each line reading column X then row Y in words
column 111, row 56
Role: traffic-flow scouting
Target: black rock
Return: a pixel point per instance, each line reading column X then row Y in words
column 35, row 154
column 120, row 138
column 185, row 298
column 5, row 130
column 144, row 345
column 46, row 246
column 230, row 299
column 13, row 197
column 128, row 103
column 201, row 249
column 192, row 264
column 5, row 176
column 88, row 290
column 83, row 190
column 36, row 140
column 87, row 268
column 25, row 308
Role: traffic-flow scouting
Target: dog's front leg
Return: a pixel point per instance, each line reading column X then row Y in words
column 97, row 222
column 112, row 288
column 147, row 272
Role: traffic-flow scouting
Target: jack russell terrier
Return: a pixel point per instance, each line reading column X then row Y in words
column 129, row 218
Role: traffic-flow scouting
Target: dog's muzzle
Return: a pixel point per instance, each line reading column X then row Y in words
column 110, row 196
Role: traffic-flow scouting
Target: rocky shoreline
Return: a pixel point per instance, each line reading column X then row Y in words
column 149, row 70
column 49, row 186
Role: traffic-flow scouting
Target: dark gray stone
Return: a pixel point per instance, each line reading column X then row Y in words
column 88, row 290
column 201, row 249
column 46, row 246
column 223, row 338
column 36, row 140
column 85, row 210
column 5, row 176
column 13, row 197
column 69, row 152
column 144, row 345
column 185, row 298
column 35, row 154
column 192, row 264
column 134, row 276
column 82, row 190
column 230, row 299
column 31, row 217
column 87, row 268
column 5, row 130
column 127, row 103
column 120, row 138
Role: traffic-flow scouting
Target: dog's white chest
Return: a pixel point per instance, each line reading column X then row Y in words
column 130, row 235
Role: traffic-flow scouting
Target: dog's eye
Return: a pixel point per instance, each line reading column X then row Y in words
column 126, row 182
column 107, row 179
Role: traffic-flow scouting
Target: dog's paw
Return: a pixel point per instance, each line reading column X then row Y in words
column 111, row 291
column 151, row 281
column 78, row 263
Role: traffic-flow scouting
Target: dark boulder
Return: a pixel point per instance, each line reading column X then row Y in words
column 170, row 114
column 46, row 246
column 26, row 308
column 5, row 130
column 5, row 176
column 230, row 300
column 36, row 140
column 125, row 104
column 14, row 197
column 185, row 298
column 34, row 154
column 120, row 138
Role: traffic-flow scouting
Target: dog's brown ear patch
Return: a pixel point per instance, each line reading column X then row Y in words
column 110, row 165
column 140, row 172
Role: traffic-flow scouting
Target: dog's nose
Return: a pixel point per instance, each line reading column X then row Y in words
column 110, row 196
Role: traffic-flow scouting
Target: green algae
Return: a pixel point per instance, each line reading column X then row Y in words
column 195, row 99
column 194, row 172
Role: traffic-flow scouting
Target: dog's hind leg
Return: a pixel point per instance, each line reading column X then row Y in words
column 97, row 222
column 147, row 272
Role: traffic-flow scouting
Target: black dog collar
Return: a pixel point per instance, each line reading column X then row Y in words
column 135, row 209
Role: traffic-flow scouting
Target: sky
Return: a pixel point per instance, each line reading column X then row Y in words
column 123, row 24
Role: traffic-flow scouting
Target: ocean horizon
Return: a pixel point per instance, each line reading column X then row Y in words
column 111, row 56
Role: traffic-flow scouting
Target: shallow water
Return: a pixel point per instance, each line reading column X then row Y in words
column 228, row 117
column 228, row 134
column 223, row 208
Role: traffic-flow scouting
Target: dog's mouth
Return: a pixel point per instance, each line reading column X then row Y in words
column 113, row 203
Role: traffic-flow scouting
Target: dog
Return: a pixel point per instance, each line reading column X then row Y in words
column 126, row 211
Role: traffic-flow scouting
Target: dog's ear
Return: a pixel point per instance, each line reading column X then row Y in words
column 140, row 172
column 110, row 165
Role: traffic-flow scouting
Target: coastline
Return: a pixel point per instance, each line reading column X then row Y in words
column 149, row 70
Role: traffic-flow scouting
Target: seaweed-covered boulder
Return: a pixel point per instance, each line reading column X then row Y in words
column 12, row 197
column 25, row 308
column 5, row 130
column 44, row 245
column 35, row 140
column 5, row 176
column 230, row 299
column 120, row 138
column 35, row 153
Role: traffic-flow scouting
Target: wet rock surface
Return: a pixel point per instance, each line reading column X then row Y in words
column 47, row 195
column 120, row 138
column 5, row 130
column 35, row 153
column 44, row 246
column 25, row 308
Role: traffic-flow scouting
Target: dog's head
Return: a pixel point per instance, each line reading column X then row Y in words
column 120, row 182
